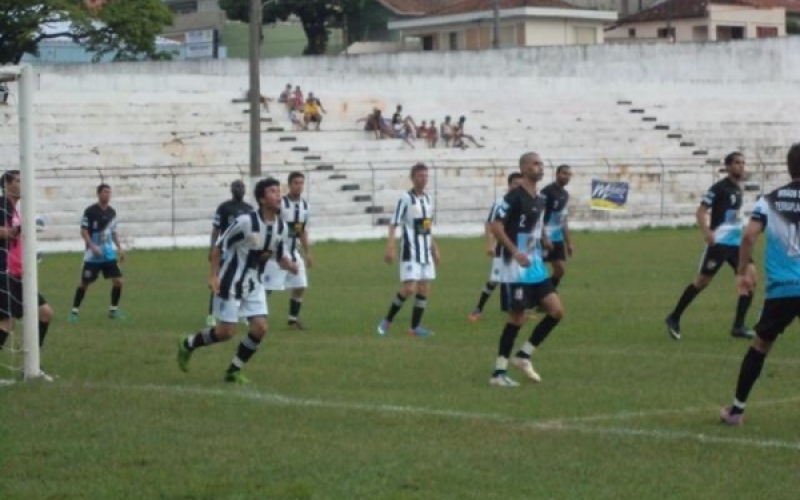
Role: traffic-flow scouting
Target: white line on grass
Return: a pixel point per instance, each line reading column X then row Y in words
column 567, row 424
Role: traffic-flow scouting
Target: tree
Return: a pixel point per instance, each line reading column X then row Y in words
column 316, row 16
column 125, row 28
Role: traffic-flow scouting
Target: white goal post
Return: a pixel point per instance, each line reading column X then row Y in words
column 24, row 76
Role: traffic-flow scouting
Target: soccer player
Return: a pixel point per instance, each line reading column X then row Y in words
column 294, row 212
column 11, row 295
column 493, row 250
column 555, row 224
column 224, row 217
column 722, row 235
column 518, row 227
column 419, row 255
column 102, row 254
column 777, row 214
column 237, row 261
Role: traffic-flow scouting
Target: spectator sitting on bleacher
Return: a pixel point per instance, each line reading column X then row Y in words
column 286, row 95
column 432, row 136
column 459, row 135
column 422, row 130
column 319, row 103
column 447, row 131
column 373, row 122
column 312, row 112
column 298, row 101
column 294, row 117
column 263, row 100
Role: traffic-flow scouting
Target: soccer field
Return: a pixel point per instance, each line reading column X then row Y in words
column 336, row 412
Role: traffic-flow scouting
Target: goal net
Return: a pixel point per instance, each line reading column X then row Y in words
column 19, row 357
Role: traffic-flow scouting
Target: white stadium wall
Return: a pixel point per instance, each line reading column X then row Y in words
column 168, row 138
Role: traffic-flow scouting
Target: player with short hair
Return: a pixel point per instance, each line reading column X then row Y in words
column 11, row 265
column 494, row 250
column 518, row 227
column 778, row 215
column 224, row 217
column 419, row 251
column 722, row 233
column 556, row 225
column 294, row 212
column 103, row 252
column 237, row 262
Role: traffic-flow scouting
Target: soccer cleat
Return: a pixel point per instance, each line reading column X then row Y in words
column 383, row 327
column 503, row 380
column 741, row 332
column 211, row 321
column 236, row 378
column 73, row 317
column 474, row 316
column 727, row 417
column 526, row 367
column 673, row 327
column 296, row 325
column 419, row 332
column 115, row 314
column 184, row 355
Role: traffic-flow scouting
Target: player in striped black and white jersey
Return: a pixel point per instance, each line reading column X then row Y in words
column 419, row 252
column 294, row 212
column 493, row 250
column 237, row 262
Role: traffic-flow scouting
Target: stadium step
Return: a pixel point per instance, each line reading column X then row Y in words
column 350, row 187
column 287, row 139
column 624, row 103
column 637, row 110
column 300, row 149
column 275, row 129
column 674, row 136
column 324, row 167
column 699, row 152
column 362, row 197
column 373, row 210
column 662, row 127
column 687, row 144
column 648, row 118
column 337, row 177
column 312, row 158
column 382, row 221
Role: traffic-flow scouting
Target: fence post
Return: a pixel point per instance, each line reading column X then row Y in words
column 663, row 174
column 373, row 218
column 173, row 177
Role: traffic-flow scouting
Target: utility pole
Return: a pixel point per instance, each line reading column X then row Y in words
column 255, row 89
column 496, row 24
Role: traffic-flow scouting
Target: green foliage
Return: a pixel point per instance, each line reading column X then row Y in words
column 126, row 28
column 316, row 16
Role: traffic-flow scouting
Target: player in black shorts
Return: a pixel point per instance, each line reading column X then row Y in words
column 555, row 224
column 777, row 214
column 226, row 214
column 722, row 234
column 103, row 252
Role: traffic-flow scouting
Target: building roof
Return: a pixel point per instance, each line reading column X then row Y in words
column 792, row 6
column 463, row 6
column 688, row 9
column 415, row 7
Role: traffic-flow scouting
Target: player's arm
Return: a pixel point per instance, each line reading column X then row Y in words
column 701, row 215
column 397, row 218
column 490, row 241
column 115, row 239
column 87, row 236
column 215, row 227
column 306, row 245
column 231, row 239
column 499, row 231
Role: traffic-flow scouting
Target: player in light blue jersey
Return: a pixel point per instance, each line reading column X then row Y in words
column 778, row 215
column 102, row 254
column 719, row 218
column 518, row 227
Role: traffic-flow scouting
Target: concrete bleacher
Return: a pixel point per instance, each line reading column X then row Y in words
column 170, row 143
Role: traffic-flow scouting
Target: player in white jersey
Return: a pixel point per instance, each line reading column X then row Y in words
column 294, row 212
column 419, row 252
column 493, row 250
column 247, row 245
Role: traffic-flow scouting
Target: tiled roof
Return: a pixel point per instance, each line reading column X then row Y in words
column 685, row 9
column 463, row 6
column 790, row 5
column 415, row 7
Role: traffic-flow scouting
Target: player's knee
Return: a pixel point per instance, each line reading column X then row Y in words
column 556, row 312
column 762, row 345
column 516, row 318
column 224, row 331
column 116, row 282
column 701, row 281
column 258, row 328
column 45, row 313
column 409, row 288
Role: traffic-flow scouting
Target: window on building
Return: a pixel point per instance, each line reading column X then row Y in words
column 767, row 32
column 452, row 40
column 585, row 36
column 667, row 33
column 631, row 32
column 427, row 42
column 508, row 36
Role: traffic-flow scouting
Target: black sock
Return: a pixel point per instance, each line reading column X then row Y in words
column 542, row 330
column 397, row 303
column 555, row 282
column 79, row 294
column 741, row 309
column 686, row 298
column 201, row 339
column 418, row 311
column 3, row 337
column 294, row 309
column 247, row 347
column 485, row 294
column 116, row 293
column 507, row 340
column 752, row 364
column 43, row 332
